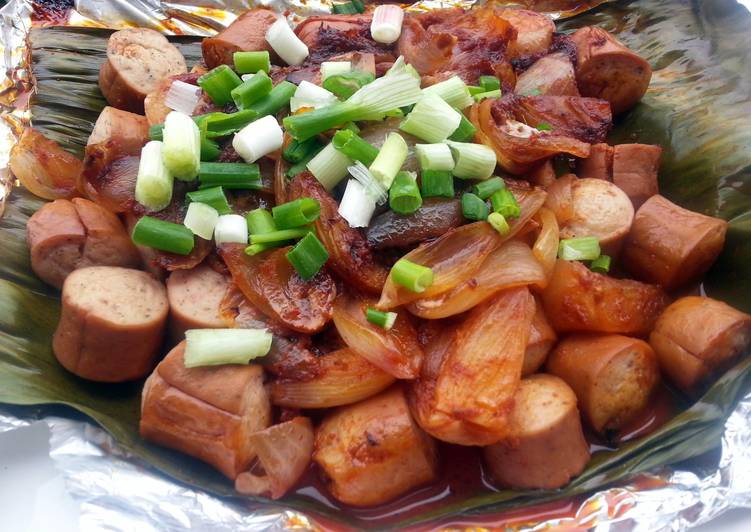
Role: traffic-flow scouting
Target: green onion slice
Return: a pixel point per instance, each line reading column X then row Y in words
column 213, row 196
column 296, row 213
column 165, row 236
column 404, row 196
column 385, row 320
column 601, row 264
column 485, row 189
column 308, row 256
column 499, row 223
column 437, row 183
column 214, row 347
column 252, row 62
column 504, row 202
column 473, row 207
column 218, row 84
column 580, row 248
column 413, row 277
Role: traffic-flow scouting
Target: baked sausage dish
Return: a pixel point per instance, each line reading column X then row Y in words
column 344, row 248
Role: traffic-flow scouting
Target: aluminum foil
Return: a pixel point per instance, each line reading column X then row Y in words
column 118, row 492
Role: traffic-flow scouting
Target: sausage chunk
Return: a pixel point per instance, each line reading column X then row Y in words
column 577, row 299
column 112, row 323
column 542, row 338
column 205, row 412
column 534, row 31
column 137, row 60
column 373, row 451
column 613, row 376
column 696, row 338
column 128, row 130
column 65, row 235
column 246, row 34
column 552, row 75
column 545, row 445
column 194, row 299
column 599, row 164
column 607, row 69
column 670, row 245
column 635, row 169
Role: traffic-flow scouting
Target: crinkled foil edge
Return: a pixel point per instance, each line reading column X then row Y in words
column 117, row 491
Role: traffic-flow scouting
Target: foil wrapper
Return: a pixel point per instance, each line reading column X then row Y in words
column 118, row 492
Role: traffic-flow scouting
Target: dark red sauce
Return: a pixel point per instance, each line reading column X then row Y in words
column 51, row 12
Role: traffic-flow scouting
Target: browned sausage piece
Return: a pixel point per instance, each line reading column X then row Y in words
column 545, row 446
column 601, row 210
column 670, row 245
column 129, row 130
column 65, row 235
column 205, row 412
column 137, row 60
column 635, row 170
column 542, row 338
column 698, row 337
column 194, row 299
column 112, row 323
column 599, row 164
column 246, row 34
column 551, row 74
column 607, row 69
column 534, row 31
column 613, row 376
column 577, row 299
column 372, row 451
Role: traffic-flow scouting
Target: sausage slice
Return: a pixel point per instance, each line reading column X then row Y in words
column 607, row 69
column 534, row 31
column 542, row 338
column 670, row 245
column 112, row 323
column 545, row 445
column 613, row 376
column 552, row 75
column 246, row 34
column 635, row 169
column 137, row 60
column 599, row 164
column 194, row 299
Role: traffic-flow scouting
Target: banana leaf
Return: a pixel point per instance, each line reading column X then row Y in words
column 696, row 109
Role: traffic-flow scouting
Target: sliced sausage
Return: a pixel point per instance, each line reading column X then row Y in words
column 599, row 164
column 545, row 445
column 137, row 60
column 128, row 130
column 246, row 34
column 154, row 105
column 607, row 69
column 206, row 412
column 112, row 323
column 534, row 31
column 577, row 299
column 635, row 169
column 696, row 338
column 372, row 451
column 194, row 299
column 601, row 210
column 613, row 376
column 670, row 245
column 65, row 235
column 551, row 74
column 542, row 338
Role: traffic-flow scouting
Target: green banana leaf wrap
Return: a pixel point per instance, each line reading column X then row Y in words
column 697, row 108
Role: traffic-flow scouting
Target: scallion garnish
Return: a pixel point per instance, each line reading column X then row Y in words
column 434, row 156
column 218, row 84
column 473, row 161
column 252, row 62
column 489, row 83
column 389, row 160
column 485, row 189
column 154, row 181
column 385, row 320
column 465, row 132
column 260, row 222
column 357, row 205
column 251, row 90
column 580, row 248
column 209, row 148
column 437, row 183
column 213, row 196
column 231, row 229
column 332, row 68
column 504, row 202
column 354, row 146
column 165, row 236
column 499, row 223
column 488, row 94
column 296, row 213
column 453, row 91
column 413, row 277
column 181, row 149
column 311, row 96
column 278, row 98
column 404, row 196
column 386, row 25
column 344, row 8
column 279, row 236
column 544, row 126
column 475, row 89
column 201, row 219
column 308, row 256
column 214, row 347
column 329, row 166
column 182, row 97
column 346, row 84
column 258, row 138
column 285, row 43
column 223, row 124
column 296, row 151
column 231, row 176
column 432, row 119
column 601, row 264
column 473, row 207
column 296, row 168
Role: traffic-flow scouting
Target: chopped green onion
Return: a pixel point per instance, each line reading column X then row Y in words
column 329, row 167
column 213, row 196
column 474, row 89
column 346, row 84
column 201, row 219
column 181, row 150
column 384, row 320
column 279, row 236
column 357, row 205
column 386, row 24
column 434, row 156
column 165, row 236
column 260, row 221
column 473, row 207
column 218, row 84
column 285, row 43
column 489, row 94
column 251, row 90
column 215, row 347
column 252, row 62
column 277, row 99
column 182, row 97
column 499, row 223
column 296, row 213
column 296, row 151
column 373, row 187
column 465, row 132
column 297, row 168
column 389, row 160
column 231, row 229
column 258, row 138
column 354, row 146
column 154, row 181
column 504, row 202
column 404, row 196
column 332, row 68
column 489, row 83
column 310, row 96
column 223, row 124
column 351, row 126
column 155, row 132
column 580, row 248
column 485, row 189
column 437, row 183
column 209, row 149
column 544, row 126
column 432, row 120
column 344, row 8
column 413, row 277
column 453, row 91
column 601, row 264
column 232, row 176
column 473, row 161
column 360, row 5
column 308, row 256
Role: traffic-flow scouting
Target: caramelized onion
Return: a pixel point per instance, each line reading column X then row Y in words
column 43, row 167
column 396, row 351
column 343, row 377
column 284, row 452
column 545, row 248
column 511, row 265
column 560, row 198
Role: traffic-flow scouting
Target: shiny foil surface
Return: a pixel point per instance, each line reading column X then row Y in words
column 118, row 492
